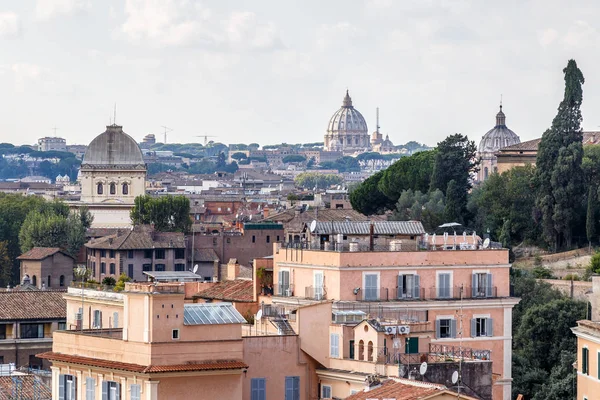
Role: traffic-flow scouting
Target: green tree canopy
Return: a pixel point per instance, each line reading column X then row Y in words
column 425, row 207
column 559, row 174
column 310, row 180
column 239, row 156
column 454, row 160
column 293, row 158
column 412, row 172
column 166, row 213
column 366, row 197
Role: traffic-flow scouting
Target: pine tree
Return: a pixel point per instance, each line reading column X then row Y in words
column 559, row 177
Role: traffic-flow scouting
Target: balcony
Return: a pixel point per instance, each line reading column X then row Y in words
column 315, row 293
column 414, row 294
column 458, row 292
column 284, row 290
column 373, row 294
column 437, row 354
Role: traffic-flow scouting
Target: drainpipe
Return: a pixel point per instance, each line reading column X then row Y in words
column 371, row 236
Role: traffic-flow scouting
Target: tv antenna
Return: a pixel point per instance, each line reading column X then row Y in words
column 205, row 138
column 54, row 129
column 167, row 130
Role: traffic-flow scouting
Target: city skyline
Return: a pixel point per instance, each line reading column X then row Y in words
column 277, row 72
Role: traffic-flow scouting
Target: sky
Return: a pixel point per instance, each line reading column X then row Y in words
column 272, row 71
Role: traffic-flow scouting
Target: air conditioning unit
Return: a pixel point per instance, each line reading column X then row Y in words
column 390, row 330
column 404, row 329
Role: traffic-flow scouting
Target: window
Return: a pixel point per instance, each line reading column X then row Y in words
column 326, row 392
column 97, row 319
column 35, row 362
column 283, row 288
column 113, row 269
column 253, row 239
column 102, row 268
column 482, row 285
column 334, row 345
column 292, row 388
column 445, row 328
column 159, row 267
column 129, row 253
column 257, row 389
column 32, row 331
column 481, row 327
column 115, row 320
column 278, row 238
column 228, row 240
column 111, row 253
column 585, row 361
column 268, row 239
column 135, row 392
column 147, row 267
column 110, row 390
column 2, row 331
column 113, row 188
column 130, row 270
column 443, row 290
column 49, row 281
column 214, row 241
column 179, row 253
column 175, row 334
column 94, row 268
column 371, row 289
column 318, row 282
column 179, row 267
column 100, row 188
column 61, row 281
column 147, row 253
column 125, row 188
column 102, row 253
column 90, row 388
column 62, row 326
column 66, row 387
column 159, row 254
column 409, row 287
column 34, row 280
column 120, row 268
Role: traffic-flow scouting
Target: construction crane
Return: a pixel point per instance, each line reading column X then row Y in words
column 167, row 130
column 205, row 138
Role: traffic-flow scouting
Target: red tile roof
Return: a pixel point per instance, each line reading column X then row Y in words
column 31, row 388
column 144, row 369
column 40, row 253
column 32, row 305
column 391, row 389
column 238, row 290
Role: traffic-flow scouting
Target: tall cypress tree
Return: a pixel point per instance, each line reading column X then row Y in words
column 590, row 220
column 559, row 176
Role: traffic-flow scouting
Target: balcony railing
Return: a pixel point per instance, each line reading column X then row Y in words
column 284, row 290
column 480, row 292
column 452, row 293
column 437, row 354
column 410, row 294
column 315, row 293
column 373, row 294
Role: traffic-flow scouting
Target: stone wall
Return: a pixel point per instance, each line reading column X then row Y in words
column 573, row 289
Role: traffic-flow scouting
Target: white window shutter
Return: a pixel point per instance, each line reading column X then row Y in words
column 438, row 331
column 61, row 387
column 417, row 286
column 474, row 285
column 489, row 327
column 489, row 290
column 400, row 286
column 73, row 386
column 453, row 328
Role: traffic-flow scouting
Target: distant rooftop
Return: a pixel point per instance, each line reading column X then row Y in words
column 173, row 276
column 364, row 227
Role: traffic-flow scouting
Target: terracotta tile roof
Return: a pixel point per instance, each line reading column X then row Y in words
column 140, row 237
column 144, row 369
column 323, row 214
column 32, row 305
column 530, row 145
column 40, row 253
column 31, row 388
column 398, row 391
column 239, row 290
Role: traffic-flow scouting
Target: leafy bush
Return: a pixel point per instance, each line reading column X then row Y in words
column 109, row 281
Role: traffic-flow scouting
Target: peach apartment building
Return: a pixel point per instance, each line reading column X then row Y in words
column 393, row 309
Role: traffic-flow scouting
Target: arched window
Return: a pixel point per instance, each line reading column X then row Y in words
column 100, row 188
column 485, row 173
column 113, row 188
column 361, row 350
column 62, row 281
column 125, row 188
column 34, row 280
column 49, row 280
column 370, row 351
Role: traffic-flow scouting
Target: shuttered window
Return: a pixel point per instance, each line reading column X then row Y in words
column 135, row 392
column 585, row 361
column 292, row 388
column 409, row 286
column 90, row 389
column 257, row 389
column 66, row 387
column 334, row 345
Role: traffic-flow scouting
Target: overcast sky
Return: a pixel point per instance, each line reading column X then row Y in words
column 275, row 71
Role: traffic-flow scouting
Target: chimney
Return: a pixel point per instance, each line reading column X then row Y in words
column 594, row 298
column 266, row 212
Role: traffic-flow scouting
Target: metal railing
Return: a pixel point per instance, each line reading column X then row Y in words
column 284, row 290
column 373, row 310
column 315, row 293
column 373, row 294
column 272, row 311
column 410, row 294
column 480, row 292
column 92, row 286
column 446, row 293
column 455, row 353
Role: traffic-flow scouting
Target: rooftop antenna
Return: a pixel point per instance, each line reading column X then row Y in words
column 115, row 114
column 167, row 130
column 54, row 129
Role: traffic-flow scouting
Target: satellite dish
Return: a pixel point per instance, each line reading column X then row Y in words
column 423, row 368
column 195, row 268
column 486, row 243
column 313, row 226
column 259, row 314
column 454, row 377
column 402, row 370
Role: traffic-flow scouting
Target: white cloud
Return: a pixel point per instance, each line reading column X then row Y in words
column 581, row 34
column 25, row 73
column 48, row 9
column 244, row 30
column 547, row 37
column 10, row 25
column 341, row 35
